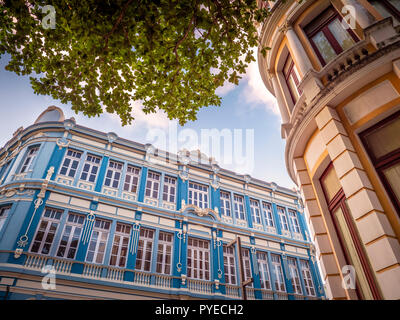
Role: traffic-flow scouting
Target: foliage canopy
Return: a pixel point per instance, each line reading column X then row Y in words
column 102, row 55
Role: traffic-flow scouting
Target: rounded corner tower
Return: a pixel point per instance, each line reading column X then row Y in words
column 334, row 68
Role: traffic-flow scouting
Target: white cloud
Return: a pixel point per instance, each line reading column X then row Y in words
column 226, row 88
column 255, row 92
column 142, row 121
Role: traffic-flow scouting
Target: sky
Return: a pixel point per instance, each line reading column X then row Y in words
column 248, row 120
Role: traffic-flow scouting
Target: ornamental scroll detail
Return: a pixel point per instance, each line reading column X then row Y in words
column 201, row 212
column 23, row 240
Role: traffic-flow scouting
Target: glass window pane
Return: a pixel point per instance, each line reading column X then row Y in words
column 341, row 35
column 384, row 139
column 324, row 47
column 395, row 3
column 392, row 174
column 331, row 184
column 349, row 246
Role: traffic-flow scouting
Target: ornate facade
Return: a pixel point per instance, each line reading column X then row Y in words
column 88, row 215
column 334, row 67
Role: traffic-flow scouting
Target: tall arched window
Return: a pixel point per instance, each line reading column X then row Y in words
column 348, row 236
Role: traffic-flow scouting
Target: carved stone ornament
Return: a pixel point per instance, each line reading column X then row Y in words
column 184, row 175
column 200, row 211
column 215, row 184
column 11, row 193
column 69, row 124
column 63, row 142
column 285, row 27
column 111, row 136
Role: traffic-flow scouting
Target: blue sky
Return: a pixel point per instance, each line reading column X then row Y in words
column 248, row 106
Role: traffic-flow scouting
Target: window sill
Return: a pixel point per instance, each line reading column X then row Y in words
column 109, row 191
column 126, row 195
column 151, row 201
column 241, row 222
column 86, row 185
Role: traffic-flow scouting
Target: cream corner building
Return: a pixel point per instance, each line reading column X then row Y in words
column 334, row 67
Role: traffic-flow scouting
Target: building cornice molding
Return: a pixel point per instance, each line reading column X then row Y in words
column 24, row 136
column 332, row 92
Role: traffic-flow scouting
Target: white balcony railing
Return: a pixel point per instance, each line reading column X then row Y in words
column 267, row 295
column 250, row 294
column 200, row 286
column 37, row 262
column 232, row 291
column 281, row 296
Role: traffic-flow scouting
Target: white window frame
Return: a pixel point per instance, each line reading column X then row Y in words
column 164, row 253
column 113, row 174
column 198, row 195
column 4, row 212
column 4, row 170
column 239, row 207
column 294, row 221
column 169, row 189
column 29, row 158
column 282, row 218
column 145, row 246
column 197, row 262
column 294, row 275
column 132, row 174
column 255, row 211
column 72, row 156
column 153, row 184
column 230, row 265
column 50, row 216
column 102, row 229
column 91, row 163
column 120, row 245
column 246, row 255
column 263, row 268
column 308, row 282
column 276, row 262
column 268, row 214
column 76, row 224
column 225, row 203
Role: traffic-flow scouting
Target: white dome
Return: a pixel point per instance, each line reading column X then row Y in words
column 51, row 114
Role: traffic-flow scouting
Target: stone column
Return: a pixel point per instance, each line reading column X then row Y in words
column 280, row 98
column 296, row 47
column 362, row 15
column 379, row 240
column 309, row 83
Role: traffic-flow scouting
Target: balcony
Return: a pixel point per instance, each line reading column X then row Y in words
column 380, row 39
column 133, row 279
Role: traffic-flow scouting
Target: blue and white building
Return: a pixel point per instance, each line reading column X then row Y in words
column 89, row 215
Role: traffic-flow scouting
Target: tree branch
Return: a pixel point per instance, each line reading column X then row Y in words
column 116, row 24
column 192, row 21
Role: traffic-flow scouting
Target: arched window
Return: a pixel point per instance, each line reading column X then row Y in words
column 348, row 236
column 292, row 78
